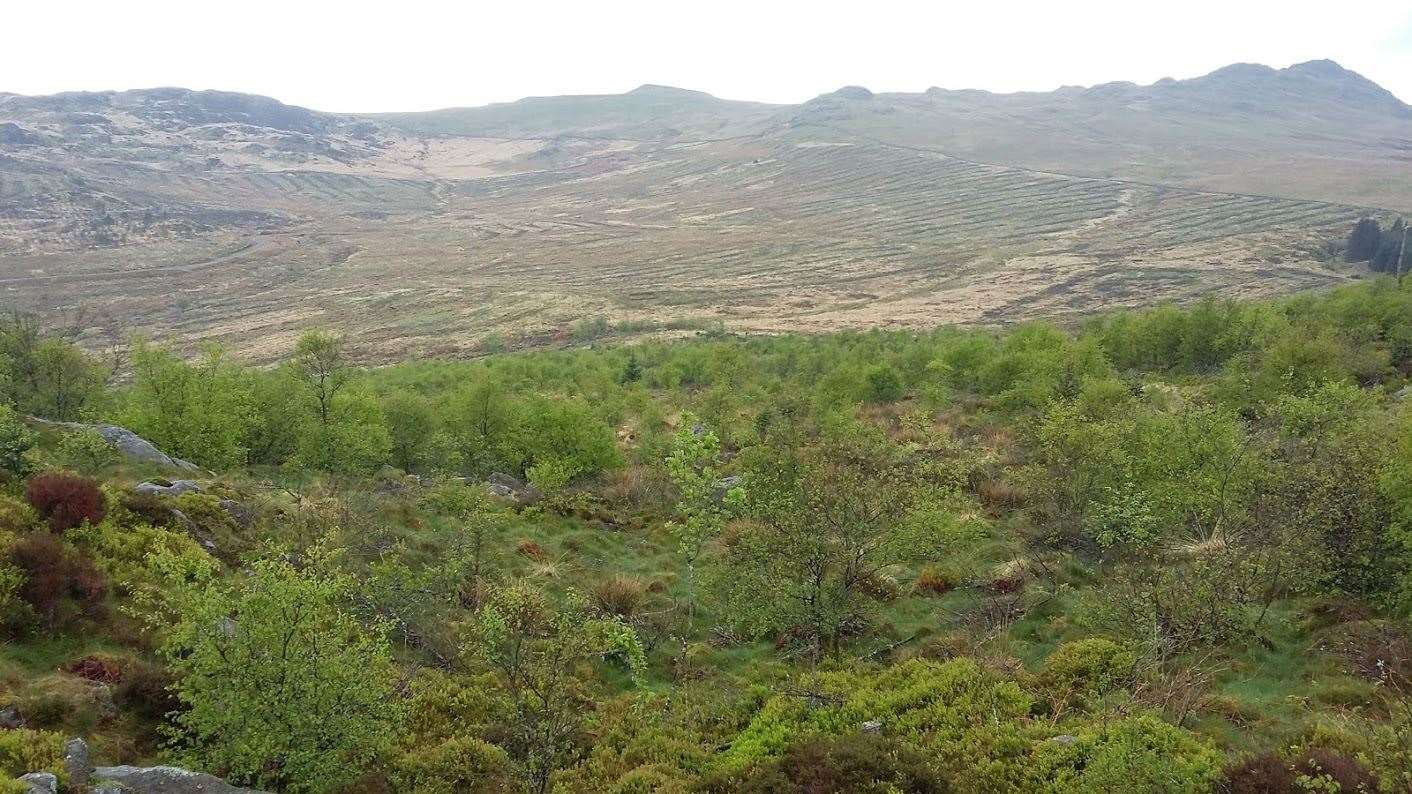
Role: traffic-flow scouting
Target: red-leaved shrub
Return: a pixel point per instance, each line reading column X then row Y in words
column 102, row 669
column 835, row 766
column 58, row 580
column 65, row 499
column 1271, row 774
column 145, row 690
column 529, row 548
column 1343, row 770
column 1261, row 774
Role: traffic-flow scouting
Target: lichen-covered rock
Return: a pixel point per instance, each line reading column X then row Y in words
column 177, row 488
column 78, row 763
column 128, row 444
column 165, row 780
column 240, row 513
column 41, row 782
column 10, row 718
column 505, row 486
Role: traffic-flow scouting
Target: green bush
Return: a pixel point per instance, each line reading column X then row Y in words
column 1140, row 753
column 970, row 723
column 884, row 385
column 85, row 451
column 16, row 440
column 23, row 750
column 458, row 765
column 281, row 684
column 1084, row 671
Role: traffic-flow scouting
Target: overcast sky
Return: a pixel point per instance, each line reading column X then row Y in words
column 414, row 55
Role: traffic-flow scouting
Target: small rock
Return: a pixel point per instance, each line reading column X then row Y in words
column 240, row 513
column 77, row 762
column 1402, row 393
column 177, row 488
column 872, row 726
column 723, row 486
column 10, row 718
column 503, row 485
column 501, row 478
column 103, row 703
column 1064, row 739
column 41, row 783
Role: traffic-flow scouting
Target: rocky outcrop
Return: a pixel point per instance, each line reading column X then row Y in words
column 128, row 444
column 83, row 776
column 512, row 488
column 242, row 514
column 12, row 134
column 163, row 780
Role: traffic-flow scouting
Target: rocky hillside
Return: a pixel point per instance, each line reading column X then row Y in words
column 210, row 215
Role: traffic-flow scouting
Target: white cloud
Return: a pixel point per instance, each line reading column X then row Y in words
column 415, row 55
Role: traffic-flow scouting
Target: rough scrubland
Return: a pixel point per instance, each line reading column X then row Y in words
column 1166, row 550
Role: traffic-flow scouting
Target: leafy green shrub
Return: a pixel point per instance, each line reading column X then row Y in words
column 199, row 411
column 566, row 435
column 23, row 750
column 16, row 440
column 442, row 705
column 970, row 723
column 16, row 517
column 280, row 683
column 458, row 765
column 1194, row 601
column 648, row 744
column 85, row 451
column 884, row 385
column 16, row 615
column 1086, row 670
column 1140, row 753
column 125, row 553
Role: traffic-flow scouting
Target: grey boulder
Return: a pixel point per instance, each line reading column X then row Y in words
column 166, row 780
column 78, row 763
column 177, row 488
column 128, row 444
column 40, row 783
column 135, row 447
column 505, row 486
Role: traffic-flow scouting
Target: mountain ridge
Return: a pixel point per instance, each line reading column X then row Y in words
column 210, row 215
